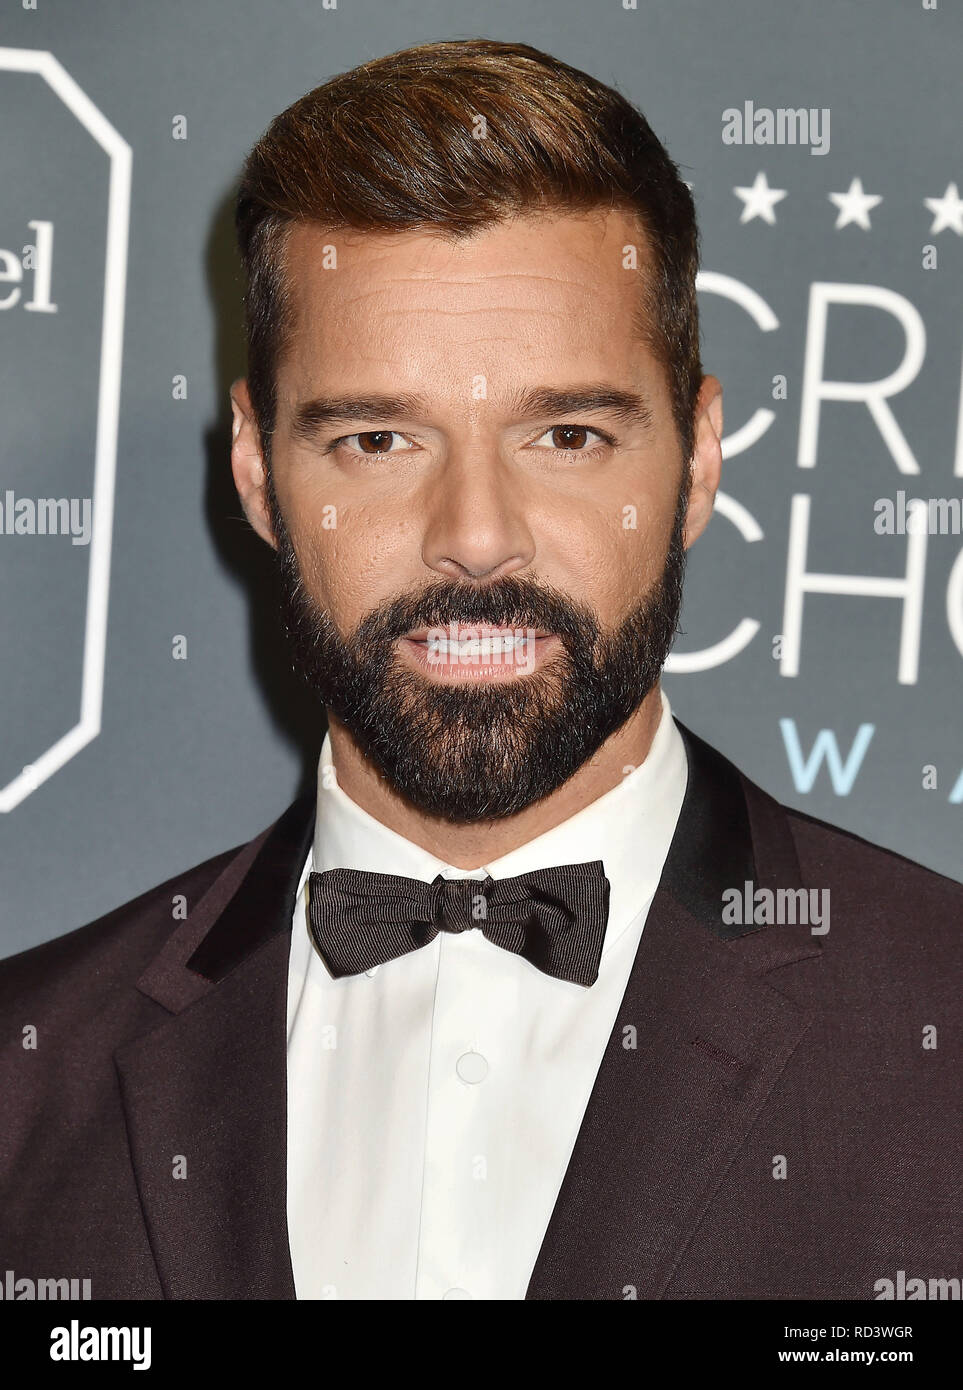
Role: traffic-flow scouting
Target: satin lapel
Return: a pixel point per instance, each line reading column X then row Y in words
column 698, row 1044
column 205, row 1093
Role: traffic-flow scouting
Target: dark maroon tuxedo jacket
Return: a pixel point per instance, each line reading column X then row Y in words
column 759, row 1050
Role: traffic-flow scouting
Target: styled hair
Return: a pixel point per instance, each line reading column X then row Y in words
column 393, row 145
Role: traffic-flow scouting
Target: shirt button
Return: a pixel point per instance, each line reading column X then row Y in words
column 456, row 1293
column 372, row 972
column 472, row 1067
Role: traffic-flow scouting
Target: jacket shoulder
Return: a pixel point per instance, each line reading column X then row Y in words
column 871, row 881
column 894, row 920
column 112, row 949
column 823, row 845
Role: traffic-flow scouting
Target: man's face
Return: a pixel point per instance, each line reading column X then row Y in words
column 461, row 495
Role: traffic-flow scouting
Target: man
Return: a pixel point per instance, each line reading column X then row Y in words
column 488, row 1017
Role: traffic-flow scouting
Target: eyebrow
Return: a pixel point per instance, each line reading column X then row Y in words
column 537, row 403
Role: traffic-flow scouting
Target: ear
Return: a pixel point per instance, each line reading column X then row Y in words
column 706, row 458
column 247, row 464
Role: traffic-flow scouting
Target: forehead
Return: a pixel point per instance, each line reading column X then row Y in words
column 560, row 289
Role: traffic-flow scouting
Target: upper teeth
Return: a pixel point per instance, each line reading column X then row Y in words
column 477, row 646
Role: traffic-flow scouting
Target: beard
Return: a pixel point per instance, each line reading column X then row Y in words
column 471, row 751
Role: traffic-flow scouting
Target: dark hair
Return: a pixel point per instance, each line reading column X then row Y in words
column 390, row 146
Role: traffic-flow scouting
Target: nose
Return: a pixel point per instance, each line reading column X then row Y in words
column 477, row 525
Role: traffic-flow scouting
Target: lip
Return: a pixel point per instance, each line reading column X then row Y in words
column 479, row 630
column 415, row 651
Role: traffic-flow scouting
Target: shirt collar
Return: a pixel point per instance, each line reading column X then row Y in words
column 629, row 828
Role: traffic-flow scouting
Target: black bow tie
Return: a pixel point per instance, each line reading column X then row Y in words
column 554, row 917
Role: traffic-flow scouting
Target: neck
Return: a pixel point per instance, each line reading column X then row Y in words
column 470, row 846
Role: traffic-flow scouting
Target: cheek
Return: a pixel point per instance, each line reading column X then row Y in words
column 608, row 555
column 350, row 560
column 645, row 528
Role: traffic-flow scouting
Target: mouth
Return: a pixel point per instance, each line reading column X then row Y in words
column 477, row 651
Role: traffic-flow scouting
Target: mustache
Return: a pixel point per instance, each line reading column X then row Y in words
column 509, row 603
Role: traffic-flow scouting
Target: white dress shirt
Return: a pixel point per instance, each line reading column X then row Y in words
column 434, row 1102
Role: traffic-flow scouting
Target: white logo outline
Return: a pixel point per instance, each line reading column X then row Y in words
column 119, row 152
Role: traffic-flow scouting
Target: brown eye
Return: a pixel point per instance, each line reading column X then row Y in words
column 569, row 436
column 379, row 441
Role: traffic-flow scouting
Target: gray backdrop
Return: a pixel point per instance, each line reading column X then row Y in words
column 122, row 765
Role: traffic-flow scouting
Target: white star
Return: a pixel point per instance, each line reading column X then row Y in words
column 854, row 205
column 948, row 209
column 759, row 200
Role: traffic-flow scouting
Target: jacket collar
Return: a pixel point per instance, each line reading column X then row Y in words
column 699, row 1041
